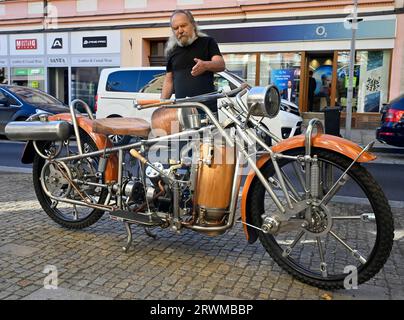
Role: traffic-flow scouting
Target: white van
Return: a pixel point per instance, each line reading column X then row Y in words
column 119, row 88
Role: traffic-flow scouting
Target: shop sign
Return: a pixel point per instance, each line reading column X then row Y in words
column 95, row 42
column 99, row 42
column 368, row 29
column 96, row 61
column 58, row 61
column 27, row 62
column 57, row 43
column 26, row 44
column 35, row 84
column 28, row 71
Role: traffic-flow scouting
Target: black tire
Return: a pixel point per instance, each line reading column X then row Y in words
column 92, row 216
column 378, row 254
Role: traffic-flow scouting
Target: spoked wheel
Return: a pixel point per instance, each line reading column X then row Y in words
column 52, row 179
column 349, row 236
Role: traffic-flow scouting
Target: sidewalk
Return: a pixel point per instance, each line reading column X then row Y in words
column 384, row 152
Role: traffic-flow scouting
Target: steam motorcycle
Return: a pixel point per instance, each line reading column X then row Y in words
column 295, row 197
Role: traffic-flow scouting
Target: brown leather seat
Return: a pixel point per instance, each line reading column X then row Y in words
column 122, row 126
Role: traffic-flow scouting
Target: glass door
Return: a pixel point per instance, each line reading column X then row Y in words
column 319, row 79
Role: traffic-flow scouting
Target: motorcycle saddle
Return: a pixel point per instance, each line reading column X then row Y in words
column 122, row 126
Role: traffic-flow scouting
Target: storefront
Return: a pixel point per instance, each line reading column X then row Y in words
column 285, row 54
column 65, row 64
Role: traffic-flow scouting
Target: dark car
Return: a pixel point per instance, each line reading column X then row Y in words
column 392, row 128
column 18, row 103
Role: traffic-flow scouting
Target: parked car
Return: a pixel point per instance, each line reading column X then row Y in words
column 119, row 88
column 18, row 103
column 392, row 128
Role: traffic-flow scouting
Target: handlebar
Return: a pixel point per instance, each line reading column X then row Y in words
column 147, row 103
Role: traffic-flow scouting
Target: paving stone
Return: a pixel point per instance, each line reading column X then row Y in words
column 91, row 264
column 17, row 250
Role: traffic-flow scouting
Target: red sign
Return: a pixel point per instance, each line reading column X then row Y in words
column 25, row 44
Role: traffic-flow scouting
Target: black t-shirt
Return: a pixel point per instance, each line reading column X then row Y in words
column 180, row 63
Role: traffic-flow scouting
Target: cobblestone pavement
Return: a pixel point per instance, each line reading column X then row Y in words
column 91, row 264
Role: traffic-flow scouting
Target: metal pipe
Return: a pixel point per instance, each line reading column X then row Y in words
column 119, row 192
column 354, row 26
column 76, row 127
column 275, row 164
column 136, row 144
column 81, row 203
column 309, row 131
column 235, row 189
column 88, row 110
column 240, row 102
column 210, row 115
column 261, row 177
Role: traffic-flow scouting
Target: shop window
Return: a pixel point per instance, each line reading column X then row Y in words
column 283, row 70
column 28, row 77
column 84, row 84
column 371, row 80
column 3, row 76
column 243, row 65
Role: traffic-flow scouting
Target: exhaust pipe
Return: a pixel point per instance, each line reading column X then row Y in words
column 38, row 130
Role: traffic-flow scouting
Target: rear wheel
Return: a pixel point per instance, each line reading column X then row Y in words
column 349, row 238
column 54, row 178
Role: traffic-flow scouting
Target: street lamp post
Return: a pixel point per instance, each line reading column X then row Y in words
column 354, row 26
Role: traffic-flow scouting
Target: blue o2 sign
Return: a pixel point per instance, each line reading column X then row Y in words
column 373, row 29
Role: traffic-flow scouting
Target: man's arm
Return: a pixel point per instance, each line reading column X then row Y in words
column 168, row 86
column 215, row 65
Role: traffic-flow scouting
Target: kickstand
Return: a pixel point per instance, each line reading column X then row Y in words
column 149, row 233
column 129, row 240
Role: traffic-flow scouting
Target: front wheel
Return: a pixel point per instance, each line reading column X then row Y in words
column 349, row 237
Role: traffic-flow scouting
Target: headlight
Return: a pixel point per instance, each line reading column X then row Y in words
column 264, row 101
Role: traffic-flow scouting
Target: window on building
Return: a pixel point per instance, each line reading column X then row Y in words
column 371, row 80
column 244, row 65
column 28, row 77
column 84, row 84
column 283, row 70
column 157, row 57
column 3, row 76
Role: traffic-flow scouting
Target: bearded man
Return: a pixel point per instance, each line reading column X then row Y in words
column 192, row 58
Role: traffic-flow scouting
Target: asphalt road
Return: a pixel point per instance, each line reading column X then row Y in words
column 389, row 176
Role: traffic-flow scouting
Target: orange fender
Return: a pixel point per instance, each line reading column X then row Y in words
column 323, row 141
column 100, row 140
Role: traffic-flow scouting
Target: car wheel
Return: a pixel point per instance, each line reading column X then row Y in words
column 119, row 140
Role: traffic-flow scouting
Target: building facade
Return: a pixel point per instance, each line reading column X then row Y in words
column 61, row 46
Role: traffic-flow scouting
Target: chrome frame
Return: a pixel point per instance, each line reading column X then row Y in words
column 244, row 134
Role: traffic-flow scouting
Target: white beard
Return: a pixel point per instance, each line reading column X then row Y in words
column 173, row 41
column 188, row 42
